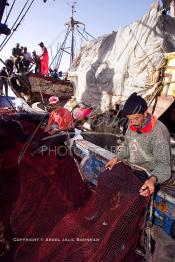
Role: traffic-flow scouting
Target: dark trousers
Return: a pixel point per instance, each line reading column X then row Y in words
column 38, row 68
column 3, row 82
column 26, row 64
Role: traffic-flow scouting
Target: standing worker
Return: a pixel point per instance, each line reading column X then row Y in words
column 3, row 81
column 44, row 60
column 37, row 61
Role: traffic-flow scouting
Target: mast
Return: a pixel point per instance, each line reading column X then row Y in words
column 72, row 24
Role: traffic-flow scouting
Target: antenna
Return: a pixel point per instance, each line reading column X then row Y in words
column 73, row 26
column 73, row 8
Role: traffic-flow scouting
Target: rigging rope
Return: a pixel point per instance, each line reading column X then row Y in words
column 51, row 52
column 9, row 12
column 89, row 34
column 55, row 39
column 14, row 24
column 82, row 38
column 60, row 49
column 81, row 35
column 29, row 140
column 137, row 41
column 6, row 40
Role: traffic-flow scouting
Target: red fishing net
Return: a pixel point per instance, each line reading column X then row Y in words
column 55, row 207
column 48, row 189
column 106, row 229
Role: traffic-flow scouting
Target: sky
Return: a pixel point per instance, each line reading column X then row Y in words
column 45, row 21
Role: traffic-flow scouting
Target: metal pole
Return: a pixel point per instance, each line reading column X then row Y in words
column 72, row 41
column 72, row 24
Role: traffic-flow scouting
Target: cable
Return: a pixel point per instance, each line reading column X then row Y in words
column 14, row 24
column 5, row 42
column 29, row 140
column 55, row 39
column 81, row 34
column 9, row 12
column 15, row 29
column 82, row 38
column 63, row 44
column 89, row 34
column 51, row 52
column 149, row 61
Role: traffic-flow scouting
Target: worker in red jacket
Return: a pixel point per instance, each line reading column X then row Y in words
column 44, row 59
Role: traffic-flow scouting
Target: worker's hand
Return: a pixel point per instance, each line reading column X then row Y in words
column 148, row 187
column 53, row 131
column 47, row 129
column 111, row 163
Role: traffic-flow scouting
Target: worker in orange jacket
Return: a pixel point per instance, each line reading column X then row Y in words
column 44, row 59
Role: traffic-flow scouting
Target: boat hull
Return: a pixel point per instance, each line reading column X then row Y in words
column 49, row 86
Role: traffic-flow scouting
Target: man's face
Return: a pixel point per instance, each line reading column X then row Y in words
column 137, row 120
column 55, row 106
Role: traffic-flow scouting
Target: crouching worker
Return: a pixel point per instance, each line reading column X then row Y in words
column 147, row 144
column 60, row 126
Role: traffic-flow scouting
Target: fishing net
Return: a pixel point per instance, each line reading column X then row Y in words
column 56, row 208
column 106, row 229
column 49, row 189
column 9, row 185
column 41, row 189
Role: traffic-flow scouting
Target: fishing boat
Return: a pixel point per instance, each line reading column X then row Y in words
column 67, row 228
column 37, row 88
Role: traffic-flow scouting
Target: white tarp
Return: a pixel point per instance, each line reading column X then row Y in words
column 109, row 69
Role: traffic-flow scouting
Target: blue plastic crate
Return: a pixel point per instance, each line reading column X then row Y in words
column 164, row 212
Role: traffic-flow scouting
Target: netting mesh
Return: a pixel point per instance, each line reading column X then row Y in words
column 49, row 190
column 72, row 223
column 107, row 228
